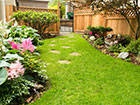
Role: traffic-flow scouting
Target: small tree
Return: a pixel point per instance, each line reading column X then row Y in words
column 119, row 7
column 37, row 20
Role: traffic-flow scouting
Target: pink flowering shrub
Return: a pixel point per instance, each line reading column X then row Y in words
column 14, row 45
column 15, row 70
column 26, row 45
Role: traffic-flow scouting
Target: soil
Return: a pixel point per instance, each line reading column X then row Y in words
column 36, row 93
column 48, row 36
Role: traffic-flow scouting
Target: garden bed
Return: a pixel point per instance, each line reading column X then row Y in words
column 22, row 73
column 104, row 48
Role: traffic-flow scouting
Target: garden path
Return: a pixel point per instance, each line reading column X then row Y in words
column 90, row 78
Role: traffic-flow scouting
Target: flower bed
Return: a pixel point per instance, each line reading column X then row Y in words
column 22, row 74
column 116, row 45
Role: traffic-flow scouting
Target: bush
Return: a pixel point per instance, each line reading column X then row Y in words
column 14, row 90
column 37, row 20
column 23, row 32
column 134, row 46
column 99, row 41
column 100, row 30
column 115, row 48
column 114, row 39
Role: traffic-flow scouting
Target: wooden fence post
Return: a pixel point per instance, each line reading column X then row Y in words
column 9, row 11
column 58, row 13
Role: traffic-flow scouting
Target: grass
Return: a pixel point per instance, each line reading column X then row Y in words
column 91, row 79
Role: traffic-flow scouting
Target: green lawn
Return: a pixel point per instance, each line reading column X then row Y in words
column 90, row 79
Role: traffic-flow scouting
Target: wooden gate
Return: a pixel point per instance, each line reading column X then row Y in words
column 66, row 25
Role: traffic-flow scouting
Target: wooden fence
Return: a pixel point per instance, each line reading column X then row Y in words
column 85, row 17
column 54, row 29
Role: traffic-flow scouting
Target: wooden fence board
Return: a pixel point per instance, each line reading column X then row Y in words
column 85, row 17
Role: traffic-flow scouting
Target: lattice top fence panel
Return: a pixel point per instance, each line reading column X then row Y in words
column 130, row 13
column 83, row 10
column 36, row 9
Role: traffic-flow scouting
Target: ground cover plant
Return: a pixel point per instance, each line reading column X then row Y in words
column 91, row 78
column 37, row 20
column 20, row 66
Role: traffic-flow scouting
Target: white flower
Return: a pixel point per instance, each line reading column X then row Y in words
column 119, row 35
column 92, row 38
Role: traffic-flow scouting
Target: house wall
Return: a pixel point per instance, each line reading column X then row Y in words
column 9, row 2
column 1, row 12
column 2, row 9
column 38, row 4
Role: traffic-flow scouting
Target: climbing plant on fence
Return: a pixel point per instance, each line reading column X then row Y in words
column 37, row 20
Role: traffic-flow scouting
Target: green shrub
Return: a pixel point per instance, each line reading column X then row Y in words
column 100, row 30
column 37, row 20
column 115, row 48
column 20, row 32
column 14, row 90
column 134, row 46
column 99, row 41
column 126, row 41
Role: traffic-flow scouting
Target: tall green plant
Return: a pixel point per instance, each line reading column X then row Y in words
column 37, row 20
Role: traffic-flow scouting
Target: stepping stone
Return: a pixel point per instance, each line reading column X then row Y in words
column 51, row 45
column 62, row 38
column 66, row 47
column 72, row 41
column 53, row 41
column 54, row 51
column 71, row 36
column 64, row 62
column 75, row 54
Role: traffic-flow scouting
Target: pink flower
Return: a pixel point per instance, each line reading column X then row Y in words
column 116, row 41
column 97, row 35
column 26, row 45
column 90, row 33
column 15, row 70
column 14, row 45
column 111, row 43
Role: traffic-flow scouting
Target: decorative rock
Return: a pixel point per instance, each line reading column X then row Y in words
column 54, row 51
column 52, row 45
column 64, row 62
column 75, row 54
column 123, row 55
column 29, row 99
column 92, row 38
column 38, row 86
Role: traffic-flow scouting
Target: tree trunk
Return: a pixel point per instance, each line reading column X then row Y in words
column 137, row 32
